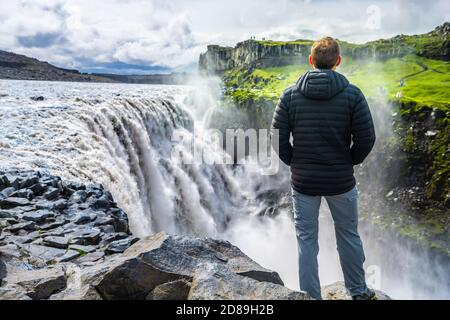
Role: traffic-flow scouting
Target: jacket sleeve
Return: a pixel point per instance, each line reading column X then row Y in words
column 281, row 133
column 363, row 131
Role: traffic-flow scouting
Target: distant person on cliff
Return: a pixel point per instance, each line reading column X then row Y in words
column 332, row 131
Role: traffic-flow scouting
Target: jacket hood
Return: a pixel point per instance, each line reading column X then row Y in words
column 322, row 84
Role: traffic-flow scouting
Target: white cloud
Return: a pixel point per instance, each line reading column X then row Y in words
column 172, row 33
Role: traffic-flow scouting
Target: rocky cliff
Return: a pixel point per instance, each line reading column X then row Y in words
column 264, row 54
column 64, row 240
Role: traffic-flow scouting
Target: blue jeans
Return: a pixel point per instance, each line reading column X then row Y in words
column 344, row 210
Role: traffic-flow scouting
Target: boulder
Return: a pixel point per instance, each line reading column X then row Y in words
column 38, row 189
column 43, row 204
column 215, row 282
column 120, row 246
column 29, row 226
column 28, row 181
column 103, row 202
column 7, row 192
column 86, row 236
column 13, row 202
column 6, row 214
column 337, row 291
column 120, row 220
column 160, row 258
column 56, row 242
column 104, row 221
column 84, row 218
column 11, row 180
column 114, row 236
column 23, row 193
column 39, row 284
column 90, row 257
column 39, row 253
column 38, row 216
column 52, row 225
column 60, row 205
column 51, row 193
column 78, row 197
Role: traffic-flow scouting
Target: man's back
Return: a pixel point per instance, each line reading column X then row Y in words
column 332, row 131
column 324, row 113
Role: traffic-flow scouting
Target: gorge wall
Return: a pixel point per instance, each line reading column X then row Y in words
column 264, row 54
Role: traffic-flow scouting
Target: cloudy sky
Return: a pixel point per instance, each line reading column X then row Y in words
column 144, row 36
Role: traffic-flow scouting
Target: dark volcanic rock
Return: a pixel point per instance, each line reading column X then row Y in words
column 37, row 98
column 11, row 180
column 69, row 255
column 84, row 218
column 23, row 193
column 28, row 181
column 51, row 193
column 91, row 257
column 38, row 216
column 78, row 197
column 39, row 284
column 38, row 189
column 56, row 242
column 120, row 246
column 114, row 236
column 54, row 246
column 214, row 282
column 337, row 291
column 44, row 254
column 161, row 258
column 60, row 204
column 102, row 203
column 7, row 192
column 13, row 202
column 63, row 213
column 87, row 235
column 29, row 226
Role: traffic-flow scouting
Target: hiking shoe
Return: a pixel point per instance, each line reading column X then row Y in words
column 369, row 295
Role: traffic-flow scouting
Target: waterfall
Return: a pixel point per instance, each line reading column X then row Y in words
column 122, row 139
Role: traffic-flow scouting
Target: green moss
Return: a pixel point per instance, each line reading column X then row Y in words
column 408, row 142
column 427, row 82
column 438, row 185
column 431, row 233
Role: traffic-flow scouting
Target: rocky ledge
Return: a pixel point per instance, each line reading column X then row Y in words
column 65, row 240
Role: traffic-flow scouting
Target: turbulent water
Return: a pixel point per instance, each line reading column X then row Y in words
column 120, row 136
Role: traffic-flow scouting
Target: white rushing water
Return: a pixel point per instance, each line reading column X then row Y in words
column 120, row 135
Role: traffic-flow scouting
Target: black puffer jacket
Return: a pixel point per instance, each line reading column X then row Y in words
column 332, row 129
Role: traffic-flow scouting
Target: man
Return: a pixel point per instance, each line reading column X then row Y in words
column 332, row 130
